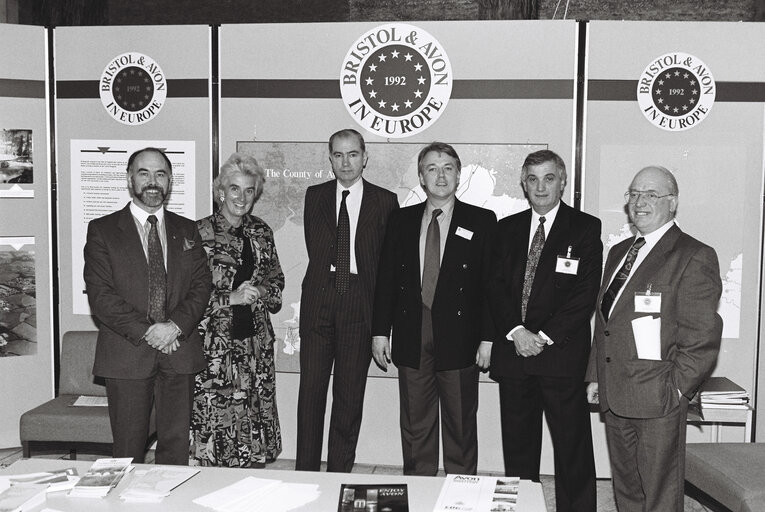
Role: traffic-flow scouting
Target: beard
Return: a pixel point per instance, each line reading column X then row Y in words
column 151, row 200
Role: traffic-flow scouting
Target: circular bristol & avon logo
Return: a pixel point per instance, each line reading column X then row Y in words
column 396, row 80
column 133, row 88
column 676, row 91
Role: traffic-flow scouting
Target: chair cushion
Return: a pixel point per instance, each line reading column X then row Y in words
column 731, row 473
column 57, row 420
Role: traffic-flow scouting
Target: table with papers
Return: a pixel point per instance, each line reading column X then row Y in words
column 423, row 491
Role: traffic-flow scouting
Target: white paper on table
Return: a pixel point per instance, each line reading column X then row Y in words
column 647, row 333
column 231, row 495
column 283, row 498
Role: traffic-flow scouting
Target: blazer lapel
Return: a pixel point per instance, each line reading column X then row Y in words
column 410, row 238
column 555, row 237
column 647, row 269
column 614, row 259
column 133, row 249
column 327, row 206
column 368, row 211
column 452, row 240
column 174, row 249
column 520, row 249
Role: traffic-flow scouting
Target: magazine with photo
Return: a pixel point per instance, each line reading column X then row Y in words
column 102, row 476
column 366, row 498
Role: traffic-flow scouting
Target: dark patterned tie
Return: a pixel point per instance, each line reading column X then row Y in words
column 620, row 278
column 432, row 260
column 157, row 275
column 343, row 256
column 537, row 243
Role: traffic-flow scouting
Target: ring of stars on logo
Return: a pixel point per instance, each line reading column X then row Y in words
column 133, row 89
column 685, row 86
column 676, row 91
column 395, row 80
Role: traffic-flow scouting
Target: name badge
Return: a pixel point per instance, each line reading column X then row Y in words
column 464, row 233
column 647, row 302
column 567, row 265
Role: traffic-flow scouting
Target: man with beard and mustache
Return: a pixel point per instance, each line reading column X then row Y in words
column 148, row 284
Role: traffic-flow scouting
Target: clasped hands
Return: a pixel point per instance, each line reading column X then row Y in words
column 163, row 336
column 528, row 344
column 245, row 294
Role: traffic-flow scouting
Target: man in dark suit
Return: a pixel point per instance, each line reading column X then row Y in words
column 547, row 263
column 431, row 290
column 344, row 221
column 148, row 284
column 657, row 336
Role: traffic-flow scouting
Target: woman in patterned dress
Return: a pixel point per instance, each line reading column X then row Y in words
column 234, row 418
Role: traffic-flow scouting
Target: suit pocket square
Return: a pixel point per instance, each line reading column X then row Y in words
column 187, row 244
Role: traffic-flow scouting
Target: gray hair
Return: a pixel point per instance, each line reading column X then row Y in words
column 239, row 163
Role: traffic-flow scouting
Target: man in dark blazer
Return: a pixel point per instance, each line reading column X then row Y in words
column 431, row 291
column 657, row 336
column 147, row 354
column 542, row 348
column 335, row 321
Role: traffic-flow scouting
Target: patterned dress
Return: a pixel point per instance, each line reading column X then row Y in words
column 234, row 417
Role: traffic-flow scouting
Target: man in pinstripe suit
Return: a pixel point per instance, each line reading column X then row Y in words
column 336, row 303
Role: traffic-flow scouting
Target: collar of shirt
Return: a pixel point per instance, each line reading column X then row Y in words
column 140, row 218
column 651, row 239
column 446, row 213
column 549, row 220
column 142, row 215
column 354, row 198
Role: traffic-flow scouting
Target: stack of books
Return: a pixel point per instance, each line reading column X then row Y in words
column 20, row 493
column 723, row 393
column 101, row 478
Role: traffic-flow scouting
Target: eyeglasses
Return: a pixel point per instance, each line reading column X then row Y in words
column 632, row 196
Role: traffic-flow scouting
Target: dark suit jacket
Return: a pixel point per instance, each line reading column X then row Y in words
column 116, row 278
column 687, row 274
column 320, row 224
column 461, row 319
column 560, row 304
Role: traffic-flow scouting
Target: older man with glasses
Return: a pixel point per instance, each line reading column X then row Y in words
column 657, row 336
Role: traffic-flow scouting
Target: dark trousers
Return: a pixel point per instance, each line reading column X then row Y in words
column 341, row 337
column 648, row 460
column 422, row 392
column 563, row 400
column 130, row 402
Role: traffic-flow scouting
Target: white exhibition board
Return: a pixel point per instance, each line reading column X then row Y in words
column 26, row 291
column 707, row 79
column 282, row 96
column 119, row 89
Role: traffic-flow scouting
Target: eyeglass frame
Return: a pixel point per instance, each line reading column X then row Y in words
column 646, row 195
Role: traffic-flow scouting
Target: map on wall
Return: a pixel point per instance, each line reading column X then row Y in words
column 490, row 178
column 18, row 297
column 694, row 168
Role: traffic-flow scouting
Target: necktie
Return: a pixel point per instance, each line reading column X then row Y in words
column 157, row 276
column 343, row 256
column 432, row 260
column 620, row 278
column 531, row 265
